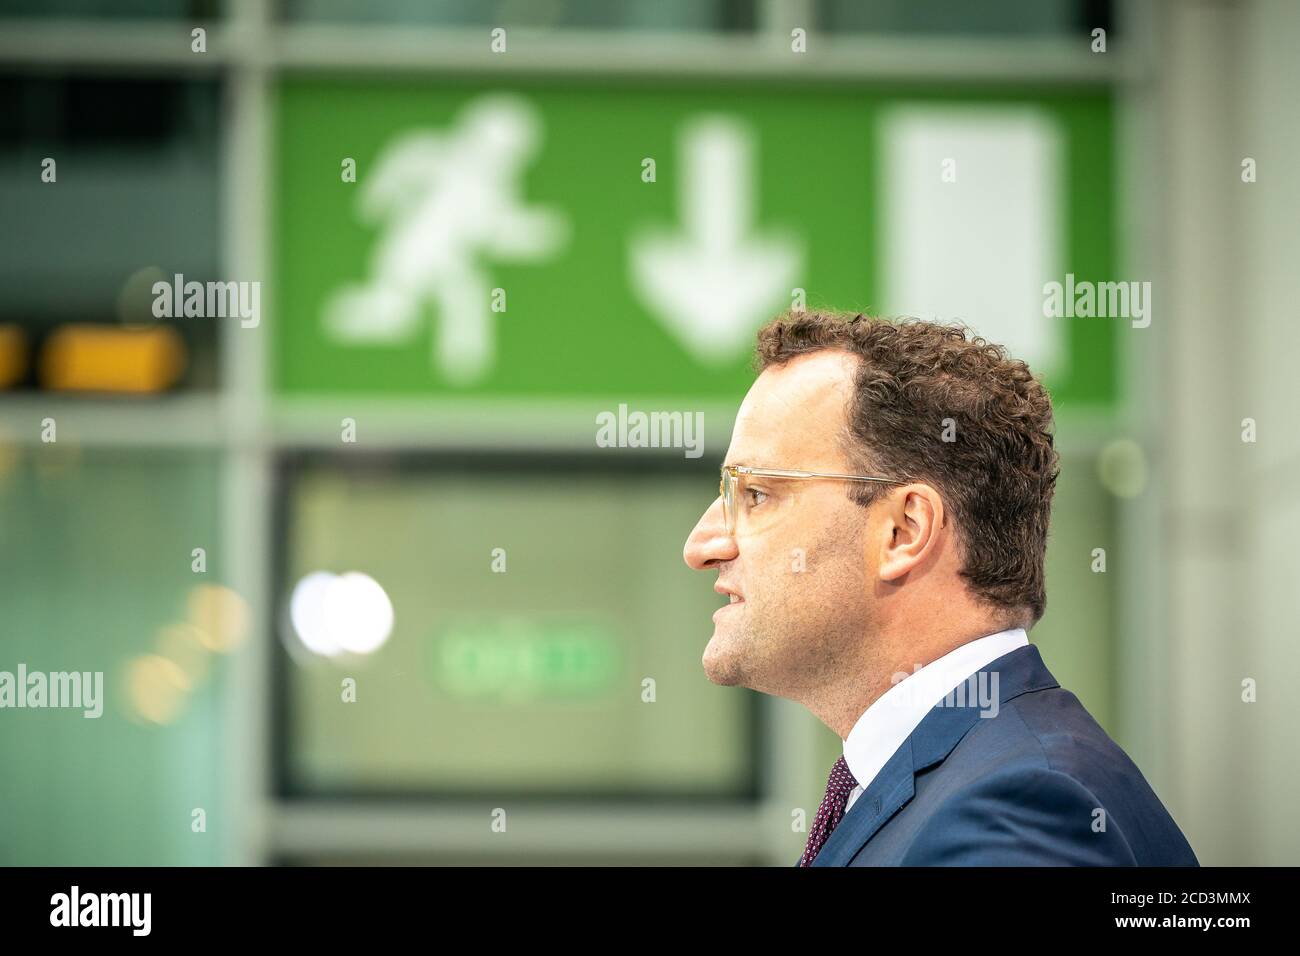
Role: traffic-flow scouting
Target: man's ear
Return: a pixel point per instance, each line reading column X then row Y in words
column 912, row 520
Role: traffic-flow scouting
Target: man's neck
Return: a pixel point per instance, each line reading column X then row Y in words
column 840, row 703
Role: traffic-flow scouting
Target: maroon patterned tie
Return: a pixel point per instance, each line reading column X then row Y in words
column 839, row 785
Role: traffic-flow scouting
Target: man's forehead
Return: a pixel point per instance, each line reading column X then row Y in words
column 794, row 414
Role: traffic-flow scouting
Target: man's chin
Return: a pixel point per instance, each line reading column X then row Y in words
column 722, row 662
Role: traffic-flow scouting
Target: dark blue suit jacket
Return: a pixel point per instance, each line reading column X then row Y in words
column 1038, row 784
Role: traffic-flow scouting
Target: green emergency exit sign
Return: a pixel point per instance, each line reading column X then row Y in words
column 567, row 238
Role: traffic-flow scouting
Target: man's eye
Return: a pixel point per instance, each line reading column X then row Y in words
column 754, row 496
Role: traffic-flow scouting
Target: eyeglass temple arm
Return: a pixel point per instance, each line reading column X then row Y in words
column 784, row 473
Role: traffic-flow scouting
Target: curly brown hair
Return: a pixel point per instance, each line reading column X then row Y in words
column 936, row 403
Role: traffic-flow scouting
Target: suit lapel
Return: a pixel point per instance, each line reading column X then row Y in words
column 889, row 791
column 1018, row 672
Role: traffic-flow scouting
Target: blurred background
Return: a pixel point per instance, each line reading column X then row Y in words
column 359, row 579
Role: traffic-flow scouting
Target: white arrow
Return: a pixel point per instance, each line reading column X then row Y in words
column 714, row 283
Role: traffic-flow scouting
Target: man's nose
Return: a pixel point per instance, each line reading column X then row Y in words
column 709, row 541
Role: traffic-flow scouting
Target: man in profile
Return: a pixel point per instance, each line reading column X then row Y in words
column 880, row 537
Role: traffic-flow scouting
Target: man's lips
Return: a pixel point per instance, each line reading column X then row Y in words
column 730, row 592
column 733, row 599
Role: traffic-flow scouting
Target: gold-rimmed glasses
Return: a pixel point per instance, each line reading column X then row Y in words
column 752, row 503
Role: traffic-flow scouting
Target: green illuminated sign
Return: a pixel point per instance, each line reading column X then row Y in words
column 519, row 658
column 558, row 238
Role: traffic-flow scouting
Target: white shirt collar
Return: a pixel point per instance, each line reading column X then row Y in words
column 890, row 720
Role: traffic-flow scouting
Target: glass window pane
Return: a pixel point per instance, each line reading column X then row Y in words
column 114, row 9
column 960, row 17
column 109, row 185
column 97, row 578
column 559, row 14
column 530, row 602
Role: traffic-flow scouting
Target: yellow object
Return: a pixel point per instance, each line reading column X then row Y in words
column 13, row 355
column 220, row 616
column 156, row 688
column 109, row 359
